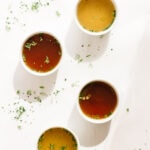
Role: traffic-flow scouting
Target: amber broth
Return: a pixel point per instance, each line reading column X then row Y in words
column 96, row 15
column 57, row 139
column 41, row 52
column 98, row 100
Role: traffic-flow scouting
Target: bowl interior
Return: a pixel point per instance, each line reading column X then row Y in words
column 95, row 20
column 58, row 138
column 98, row 101
column 41, row 53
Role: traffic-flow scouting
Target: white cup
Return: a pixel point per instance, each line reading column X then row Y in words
column 31, row 70
column 91, row 31
column 59, row 137
column 89, row 100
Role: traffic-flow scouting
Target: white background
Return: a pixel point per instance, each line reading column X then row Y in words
column 121, row 57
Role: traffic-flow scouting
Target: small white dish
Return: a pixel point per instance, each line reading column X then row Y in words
column 98, row 101
column 57, row 138
column 41, row 44
column 92, row 15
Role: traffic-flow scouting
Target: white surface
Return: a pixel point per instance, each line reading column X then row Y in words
column 122, row 57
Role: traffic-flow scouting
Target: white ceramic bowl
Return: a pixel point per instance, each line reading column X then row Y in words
column 98, row 33
column 34, row 72
column 59, row 136
column 88, row 96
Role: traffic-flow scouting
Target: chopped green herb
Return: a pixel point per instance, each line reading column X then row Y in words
column 19, row 112
column 114, row 13
column 29, row 93
column 38, row 98
column 24, row 58
column 92, row 30
column 78, row 58
column 58, row 13
column 47, row 3
column 41, row 39
column 107, row 27
column 59, row 53
column 89, row 45
column 51, row 147
column 75, row 84
column 41, row 138
column 95, row 116
column 42, row 87
column 41, row 36
column 56, row 92
column 43, row 94
column 63, row 147
column 18, row 92
column 47, row 61
column 28, row 45
column 107, row 115
column 89, row 55
column 19, row 127
column 127, row 109
column 35, row 6
column 101, row 36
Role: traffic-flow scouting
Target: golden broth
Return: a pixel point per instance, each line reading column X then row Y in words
column 57, row 139
column 96, row 15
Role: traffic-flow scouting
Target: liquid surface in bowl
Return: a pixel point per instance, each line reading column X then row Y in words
column 96, row 15
column 57, row 139
column 41, row 52
column 97, row 100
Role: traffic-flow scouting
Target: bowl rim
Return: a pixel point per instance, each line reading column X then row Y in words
column 61, row 127
column 101, row 120
column 99, row 33
column 28, row 69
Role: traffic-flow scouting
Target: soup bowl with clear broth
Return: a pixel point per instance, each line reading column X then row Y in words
column 96, row 17
column 98, row 101
column 58, row 138
column 41, row 53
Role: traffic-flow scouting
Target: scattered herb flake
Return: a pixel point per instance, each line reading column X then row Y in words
column 19, row 111
column 63, row 147
column 35, row 6
column 18, row 92
column 114, row 13
column 42, row 87
column 38, row 98
column 89, row 45
column 89, row 55
column 56, row 92
column 78, row 58
column 29, row 93
column 75, row 84
column 19, row 127
column 58, row 13
column 65, row 79
column 43, row 94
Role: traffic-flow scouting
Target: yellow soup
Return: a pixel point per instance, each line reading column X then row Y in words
column 57, row 139
column 96, row 15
